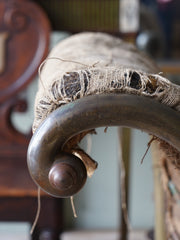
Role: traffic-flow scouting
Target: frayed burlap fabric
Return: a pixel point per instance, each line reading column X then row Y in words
column 94, row 63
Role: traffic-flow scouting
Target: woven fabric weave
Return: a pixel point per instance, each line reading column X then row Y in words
column 96, row 63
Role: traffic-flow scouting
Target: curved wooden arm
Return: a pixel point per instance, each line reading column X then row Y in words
column 89, row 113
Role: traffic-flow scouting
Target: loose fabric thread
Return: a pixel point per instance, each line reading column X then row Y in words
column 148, row 146
column 73, row 206
column 38, row 210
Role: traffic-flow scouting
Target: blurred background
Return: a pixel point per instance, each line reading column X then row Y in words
column 154, row 26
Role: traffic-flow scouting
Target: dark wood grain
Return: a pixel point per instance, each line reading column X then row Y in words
column 24, row 42
column 26, row 45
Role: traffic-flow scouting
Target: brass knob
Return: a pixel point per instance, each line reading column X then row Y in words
column 67, row 174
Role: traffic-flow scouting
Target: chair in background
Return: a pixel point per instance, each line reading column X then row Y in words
column 24, row 41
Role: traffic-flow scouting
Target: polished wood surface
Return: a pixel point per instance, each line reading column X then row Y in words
column 24, row 43
column 27, row 32
column 25, row 46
